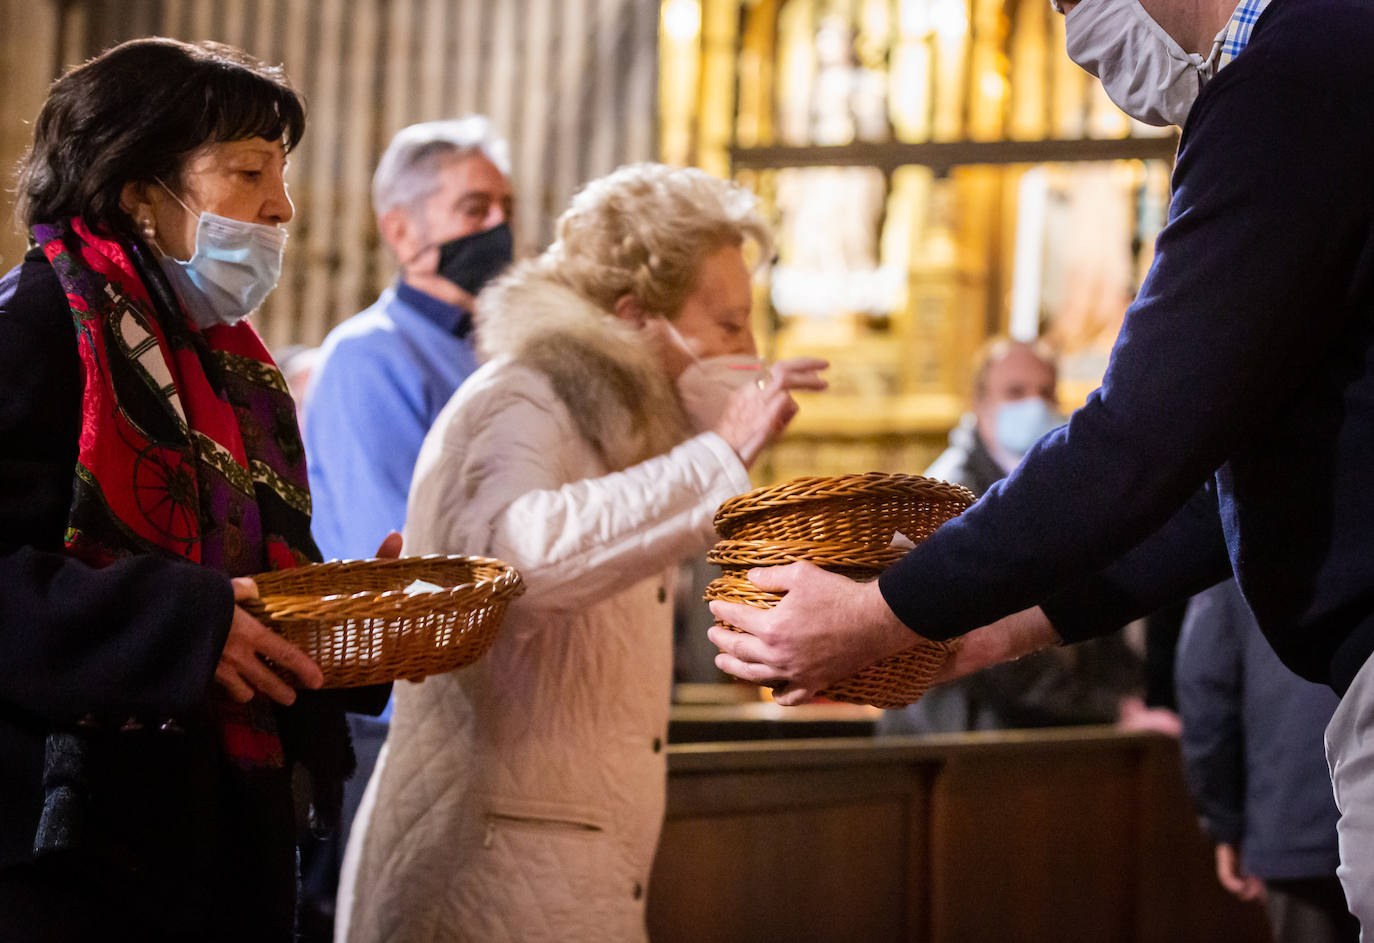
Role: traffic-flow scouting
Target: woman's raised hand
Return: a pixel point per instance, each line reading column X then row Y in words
column 756, row 414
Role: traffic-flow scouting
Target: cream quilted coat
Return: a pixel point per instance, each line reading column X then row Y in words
column 521, row 798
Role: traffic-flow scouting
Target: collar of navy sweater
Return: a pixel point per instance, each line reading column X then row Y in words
column 454, row 319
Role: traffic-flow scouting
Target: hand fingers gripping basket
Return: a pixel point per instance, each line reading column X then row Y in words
column 847, row 525
column 355, row 619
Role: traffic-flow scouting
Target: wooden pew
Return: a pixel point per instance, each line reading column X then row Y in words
column 1057, row 836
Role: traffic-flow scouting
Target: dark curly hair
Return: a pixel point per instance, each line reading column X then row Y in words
column 137, row 112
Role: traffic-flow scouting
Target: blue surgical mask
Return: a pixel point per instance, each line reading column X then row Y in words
column 1021, row 422
column 235, row 267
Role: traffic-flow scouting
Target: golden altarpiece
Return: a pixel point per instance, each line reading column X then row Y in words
column 936, row 171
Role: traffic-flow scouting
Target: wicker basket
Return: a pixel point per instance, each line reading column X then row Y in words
column 845, row 525
column 895, row 681
column 855, row 511
column 743, row 554
column 353, row 618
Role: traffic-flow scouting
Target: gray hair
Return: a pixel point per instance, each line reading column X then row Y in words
column 406, row 173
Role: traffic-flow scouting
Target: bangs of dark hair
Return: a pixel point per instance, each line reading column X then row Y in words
column 136, row 113
column 242, row 98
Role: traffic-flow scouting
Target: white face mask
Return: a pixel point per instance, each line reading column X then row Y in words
column 1143, row 69
column 235, row 267
column 706, row 385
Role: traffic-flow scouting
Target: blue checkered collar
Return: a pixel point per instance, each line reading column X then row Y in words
column 1239, row 29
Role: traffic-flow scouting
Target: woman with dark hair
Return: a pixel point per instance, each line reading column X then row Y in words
column 149, row 455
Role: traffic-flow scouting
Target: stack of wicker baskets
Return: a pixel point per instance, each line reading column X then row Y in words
column 847, row 525
column 355, row 619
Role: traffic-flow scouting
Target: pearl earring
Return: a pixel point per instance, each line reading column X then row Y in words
column 148, row 228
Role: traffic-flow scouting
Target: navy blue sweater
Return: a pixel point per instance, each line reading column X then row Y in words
column 1235, row 424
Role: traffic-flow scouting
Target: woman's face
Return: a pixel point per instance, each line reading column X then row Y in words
column 243, row 180
column 714, row 320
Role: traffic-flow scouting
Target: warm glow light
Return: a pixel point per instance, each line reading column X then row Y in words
column 992, row 85
column 682, row 19
column 1028, row 265
column 950, row 18
column 913, row 18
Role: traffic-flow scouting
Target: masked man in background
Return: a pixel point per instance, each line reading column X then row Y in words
column 1234, row 428
column 443, row 200
column 1015, row 402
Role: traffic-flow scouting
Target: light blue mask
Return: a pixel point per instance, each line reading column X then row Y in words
column 1021, row 422
column 234, row 268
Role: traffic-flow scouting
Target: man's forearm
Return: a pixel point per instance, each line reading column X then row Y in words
column 1007, row 639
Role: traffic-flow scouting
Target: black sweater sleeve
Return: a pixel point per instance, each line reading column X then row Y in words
column 1245, row 296
column 1185, row 556
column 141, row 636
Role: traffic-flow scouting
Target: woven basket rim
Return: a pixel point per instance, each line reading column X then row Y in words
column 824, row 553
column 381, row 634
column 800, row 491
column 504, row 582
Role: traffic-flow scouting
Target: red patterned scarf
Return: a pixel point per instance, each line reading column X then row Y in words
column 189, row 443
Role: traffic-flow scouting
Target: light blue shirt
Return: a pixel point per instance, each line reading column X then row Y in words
column 383, row 376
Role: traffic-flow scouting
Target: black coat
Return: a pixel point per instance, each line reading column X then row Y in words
column 100, row 659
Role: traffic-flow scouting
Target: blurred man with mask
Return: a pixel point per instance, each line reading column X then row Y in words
column 1234, row 429
column 443, row 202
column 1015, row 402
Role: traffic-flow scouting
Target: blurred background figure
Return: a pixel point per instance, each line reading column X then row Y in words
column 522, row 797
column 1014, row 403
column 296, row 363
column 1253, row 752
column 443, row 204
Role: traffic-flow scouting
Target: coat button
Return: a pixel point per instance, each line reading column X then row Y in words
column 639, row 890
column 662, row 594
column 658, row 744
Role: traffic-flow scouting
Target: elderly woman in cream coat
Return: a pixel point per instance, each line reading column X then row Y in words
column 521, row 798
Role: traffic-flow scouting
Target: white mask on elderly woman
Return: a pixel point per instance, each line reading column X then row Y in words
column 708, row 383
column 1143, row 69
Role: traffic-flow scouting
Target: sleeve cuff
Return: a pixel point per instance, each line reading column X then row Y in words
column 734, row 476
column 729, row 478
column 1089, row 609
column 893, row 593
column 1225, row 829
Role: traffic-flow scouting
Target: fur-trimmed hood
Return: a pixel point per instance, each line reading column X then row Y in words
column 603, row 369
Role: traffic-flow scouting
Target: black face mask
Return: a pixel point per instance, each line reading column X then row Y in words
column 472, row 261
